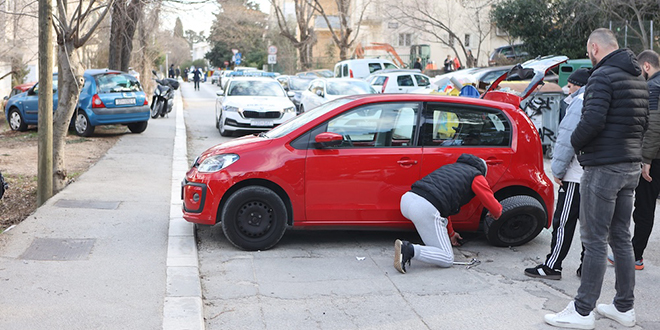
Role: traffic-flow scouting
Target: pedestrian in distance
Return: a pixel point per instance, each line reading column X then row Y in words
column 449, row 63
column 471, row 61
column 457, row 64
column 567, row 173
column 430, row 203
column 608, row 140
column 177, row 72
column 647, row 190
column 197, row 75
column 171, row 72
column 418, row 64
column 185, row 74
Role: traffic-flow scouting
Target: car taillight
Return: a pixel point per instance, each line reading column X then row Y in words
column 96, row 102
column 385, row 84
column 351, row 72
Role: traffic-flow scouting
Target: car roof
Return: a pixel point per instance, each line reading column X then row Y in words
column 94, row 72
column 372, row 98
column 360, row 60
column 243, row 78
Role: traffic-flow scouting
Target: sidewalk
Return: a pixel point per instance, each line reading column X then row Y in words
column 95, row 256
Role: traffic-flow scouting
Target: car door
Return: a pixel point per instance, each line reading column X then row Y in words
column 422, row 81
column 362, row 180
column 451, row 129
column 404, row 83
column 31, row 102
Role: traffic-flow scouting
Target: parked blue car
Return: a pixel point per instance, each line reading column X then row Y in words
column 107, row 97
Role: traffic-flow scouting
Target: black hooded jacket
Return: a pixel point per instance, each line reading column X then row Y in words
column 450, row 187
column 615, row 112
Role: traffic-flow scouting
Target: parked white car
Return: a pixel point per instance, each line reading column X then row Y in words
column 361, row 68
column 251, row 104
column 398, row 81
column 323, row 90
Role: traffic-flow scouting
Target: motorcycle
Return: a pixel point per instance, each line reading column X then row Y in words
column 162, row 101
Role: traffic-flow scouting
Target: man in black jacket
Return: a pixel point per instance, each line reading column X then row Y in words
column 608, row 140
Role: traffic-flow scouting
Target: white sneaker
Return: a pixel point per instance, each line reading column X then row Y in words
column 570, row 318
column 626, row 319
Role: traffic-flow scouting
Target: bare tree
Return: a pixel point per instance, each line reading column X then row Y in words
column 306, row 38
column 633, row 13
column 445, row 22
column 341, row 30
column 74, row 25
column 126, row 15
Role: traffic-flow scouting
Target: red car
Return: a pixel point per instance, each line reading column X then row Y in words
column 348, row 162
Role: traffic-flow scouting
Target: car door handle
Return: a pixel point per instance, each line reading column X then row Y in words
column 494, row 161
column 407, row 162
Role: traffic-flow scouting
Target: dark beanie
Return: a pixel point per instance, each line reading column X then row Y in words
column 579, row 77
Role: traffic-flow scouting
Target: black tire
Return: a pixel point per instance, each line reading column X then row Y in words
column 82, row 125
column 221, row 127
column 254, row 218
column 138, row 127
column 16, row 122
column 523, row 218
column 156, row 109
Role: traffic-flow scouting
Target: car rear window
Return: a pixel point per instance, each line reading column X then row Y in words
column 117, row 83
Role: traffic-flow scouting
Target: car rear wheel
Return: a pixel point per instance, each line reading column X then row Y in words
column 82, row 125
column 254, row 218
column 138, row 127
column 523, row 218
column 16, row 122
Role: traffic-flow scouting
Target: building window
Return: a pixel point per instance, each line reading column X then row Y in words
column 392, row 25
column 405, row 39
column 467, row 40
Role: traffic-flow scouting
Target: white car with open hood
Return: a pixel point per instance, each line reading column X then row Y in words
column 248, row 104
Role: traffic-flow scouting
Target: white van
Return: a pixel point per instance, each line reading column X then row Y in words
column 361, row 68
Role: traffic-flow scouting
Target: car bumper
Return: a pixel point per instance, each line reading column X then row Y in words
column 105, row 116
column 201, row 195
column 235, row 121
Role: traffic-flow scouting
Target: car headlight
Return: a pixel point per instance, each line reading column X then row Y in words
column 290, row 109
column 233, row 109
column 216, row 163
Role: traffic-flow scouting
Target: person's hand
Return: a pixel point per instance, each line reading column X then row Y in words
column 558, row 180
column 454, row 239
column 646, row 169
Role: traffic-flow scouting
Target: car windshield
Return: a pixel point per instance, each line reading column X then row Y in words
column 255, row 88
column 304, row 118
column 117, row 83
column 326, row 73
column 348, row 87
column 298, row 84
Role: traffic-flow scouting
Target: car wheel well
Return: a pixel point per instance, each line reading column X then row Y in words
column 507, row 192
column 257, row 182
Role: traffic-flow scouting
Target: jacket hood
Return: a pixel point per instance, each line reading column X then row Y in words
column 473, row 161
column 624, row 59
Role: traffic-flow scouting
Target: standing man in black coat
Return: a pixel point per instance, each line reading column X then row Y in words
column 608, row 139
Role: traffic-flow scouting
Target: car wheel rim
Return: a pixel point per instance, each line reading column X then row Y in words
column 81, row 123
column 517, row 228
column 254, row 219
column 15, row 120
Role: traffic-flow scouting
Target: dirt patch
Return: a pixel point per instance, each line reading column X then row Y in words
column 19, row 158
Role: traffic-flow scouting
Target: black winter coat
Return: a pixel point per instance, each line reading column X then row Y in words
column 615, row 112
column 450, row 187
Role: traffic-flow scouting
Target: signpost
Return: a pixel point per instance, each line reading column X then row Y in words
column 272, row 56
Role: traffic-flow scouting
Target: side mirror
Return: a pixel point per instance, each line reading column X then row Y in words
column 328, row 139
column 6, row 98
column 319, row 93
column 290, row 94
column 219, row 93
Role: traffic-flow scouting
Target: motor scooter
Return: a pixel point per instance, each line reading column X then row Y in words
column 162, row 101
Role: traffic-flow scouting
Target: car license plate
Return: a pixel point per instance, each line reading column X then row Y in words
column 262, row 123
column 125, row 101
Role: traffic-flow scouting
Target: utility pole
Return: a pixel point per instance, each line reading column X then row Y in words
column 45, row 146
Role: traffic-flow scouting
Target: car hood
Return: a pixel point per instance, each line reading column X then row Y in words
column 237, row 146
column 532, row 70
column 258, row 102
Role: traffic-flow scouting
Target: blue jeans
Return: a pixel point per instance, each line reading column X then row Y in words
column 606, row 203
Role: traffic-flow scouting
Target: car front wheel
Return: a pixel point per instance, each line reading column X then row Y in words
column 82, row 125
column 221, row 127
column 16, row 122
column 523, row 218
column 254, row 218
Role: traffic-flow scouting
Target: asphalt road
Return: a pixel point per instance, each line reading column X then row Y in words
column 345, row 279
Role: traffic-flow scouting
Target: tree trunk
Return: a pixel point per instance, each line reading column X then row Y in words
column 116, row 32
column 69, row 83
column 132, row 18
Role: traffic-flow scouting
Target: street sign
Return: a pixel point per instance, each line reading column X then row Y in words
column 238, row 56
column 272, row 50
column 272, row 59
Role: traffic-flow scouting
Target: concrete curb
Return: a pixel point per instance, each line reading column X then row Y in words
column 183, row 307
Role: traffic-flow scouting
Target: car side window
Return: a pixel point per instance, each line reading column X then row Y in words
column 345, row 70
column 405, row 81
column 422, row 80
column 389, row 66
column 455, row 126
column 377, row 125
column 373, row 67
